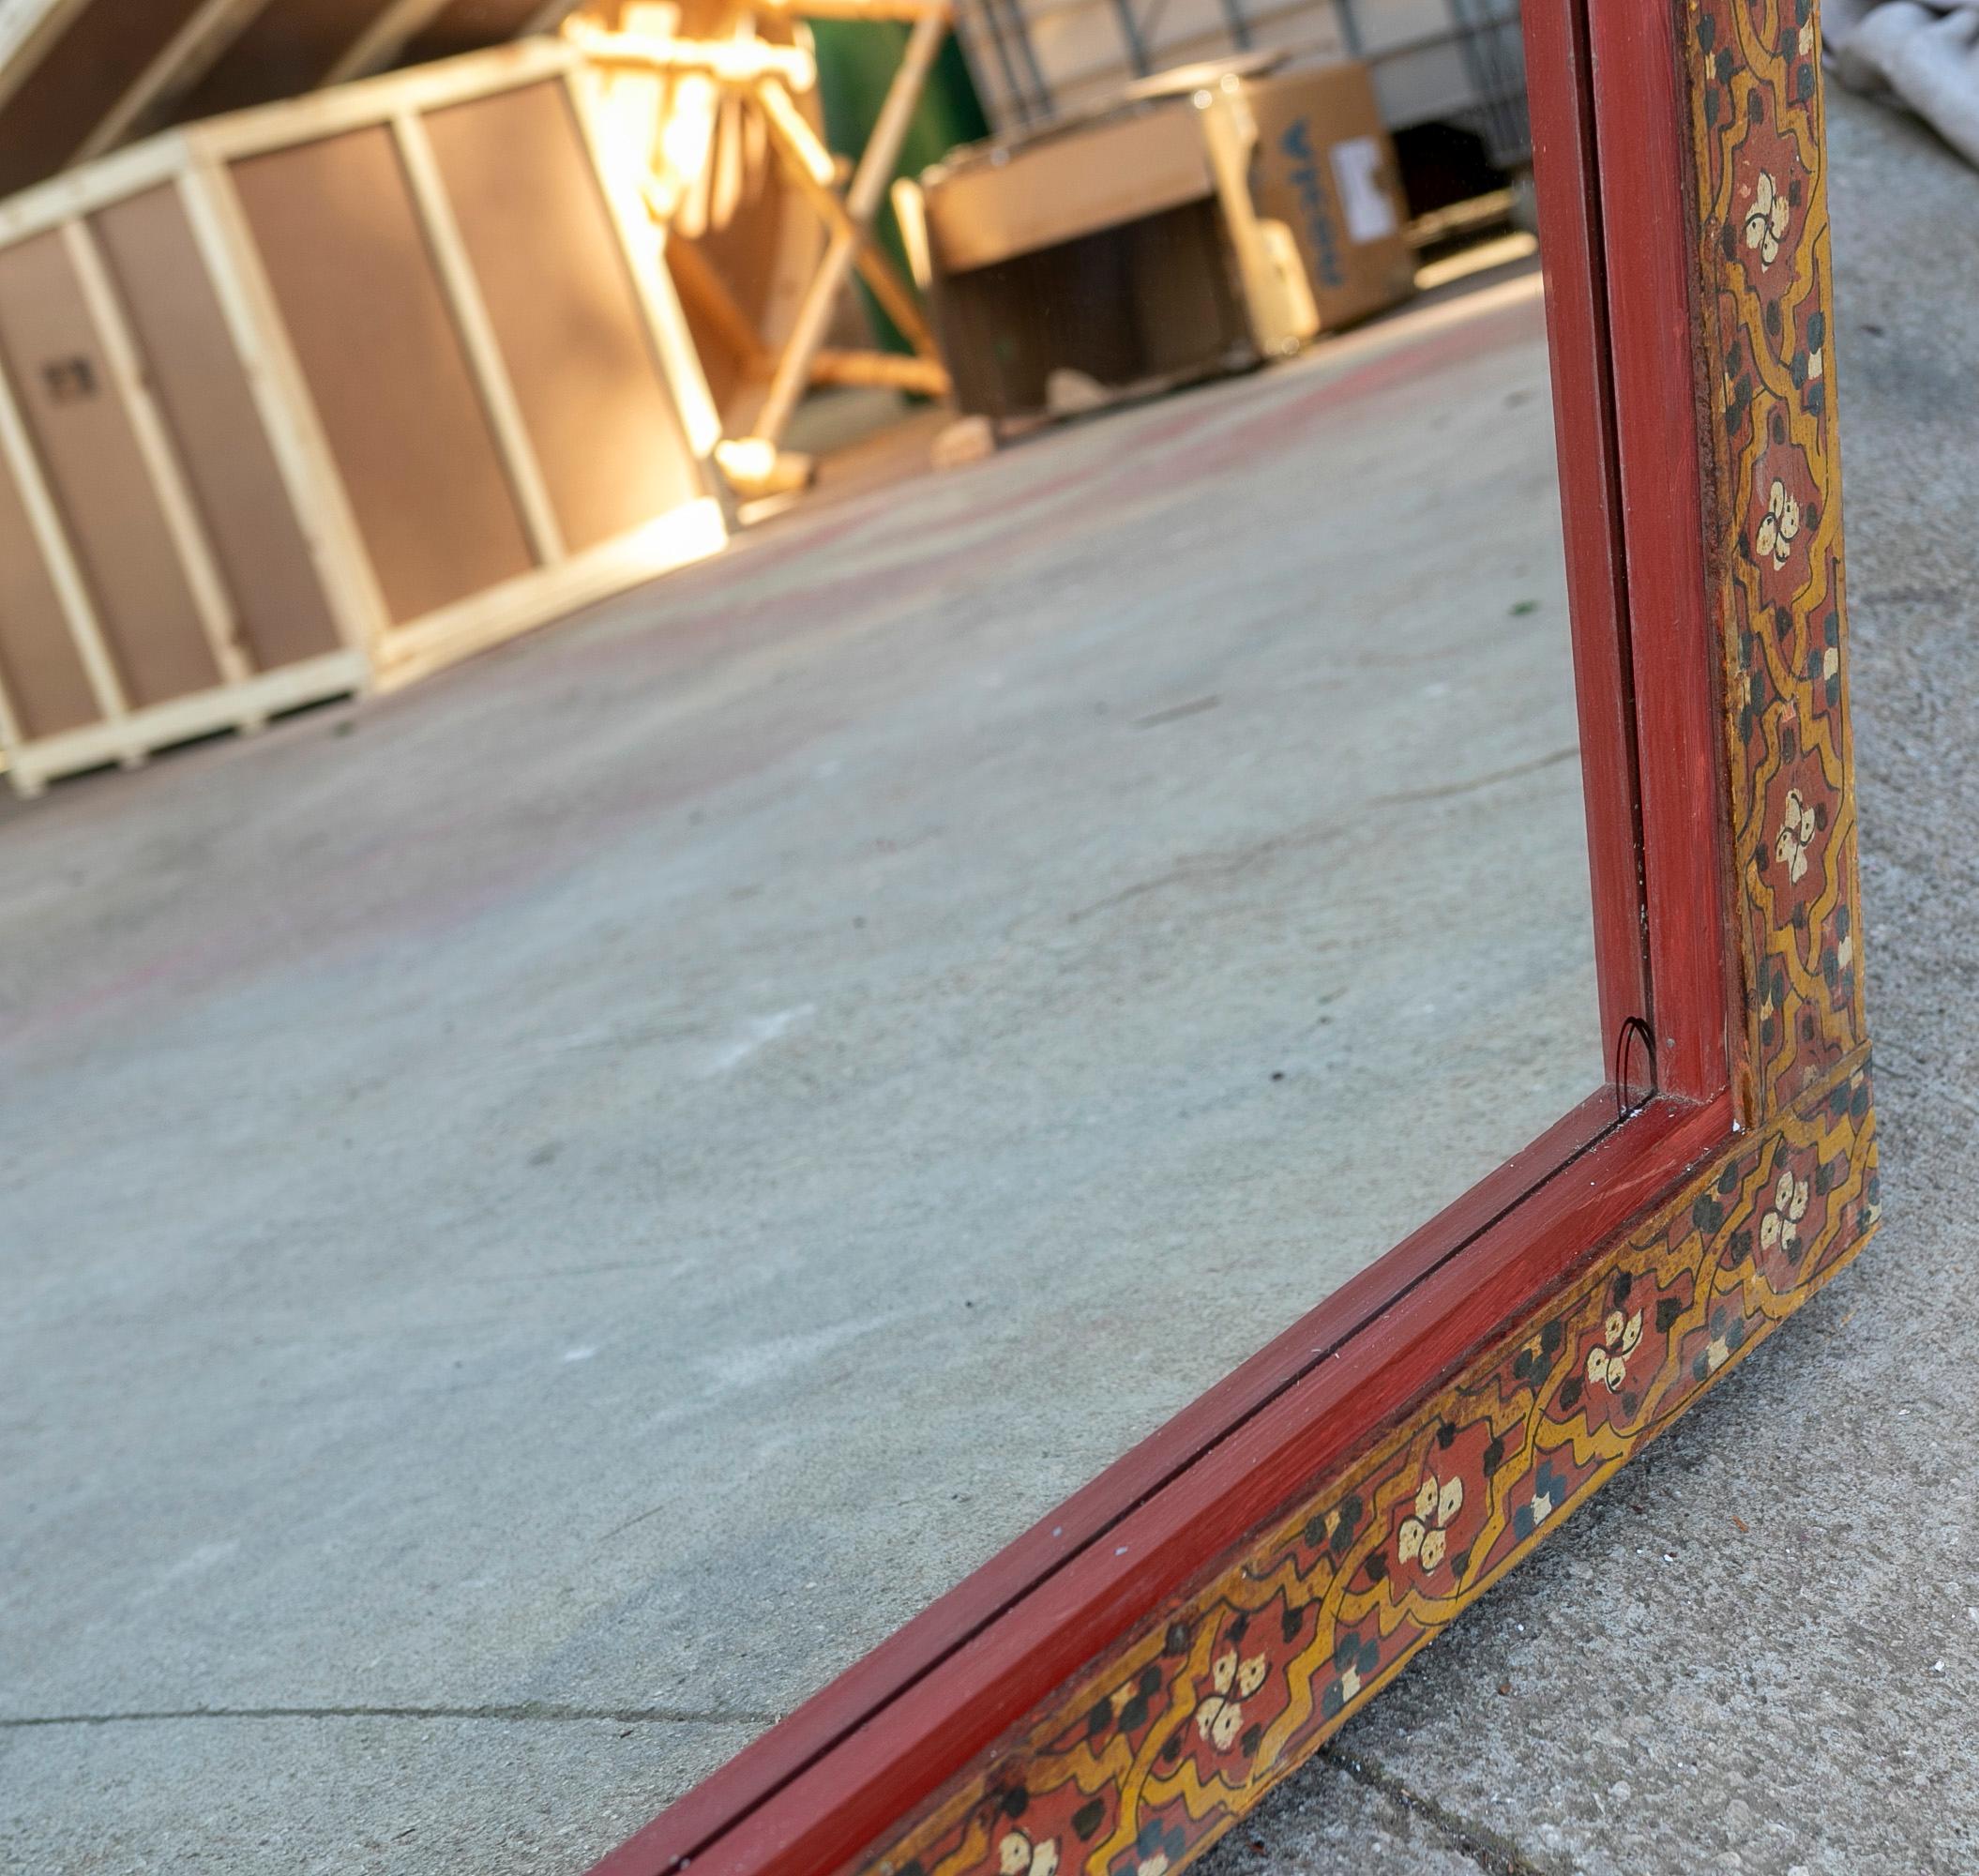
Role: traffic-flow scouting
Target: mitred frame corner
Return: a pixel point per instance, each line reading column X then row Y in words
column 1117, row 1688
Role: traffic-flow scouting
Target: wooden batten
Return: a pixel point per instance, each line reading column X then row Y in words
column 205, row 386
column 26, row 48
column 58, row 88
column 88, row 450
column 44, row 527
column 288, row 416
column 326, row 395
column 461, row 25
column 476, row 332
column 211, row 601
column 180, row 63
column 385, row 39
column 643, row 246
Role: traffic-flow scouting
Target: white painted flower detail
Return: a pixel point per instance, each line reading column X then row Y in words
column 1159, row 1847
column 1767, row 219
column 1780, row 1230
column 1796, row 835
column 1608, row 1365
column 1016, row 1856
column 1779, row 526
column 1427, row 1535
column 1220, row 1716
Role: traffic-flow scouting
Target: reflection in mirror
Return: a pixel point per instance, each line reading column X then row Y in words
column 731, row 1111
column 1140, row 878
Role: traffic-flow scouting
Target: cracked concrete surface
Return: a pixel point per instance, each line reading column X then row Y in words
column 1759, row 1650
column 338, row 1794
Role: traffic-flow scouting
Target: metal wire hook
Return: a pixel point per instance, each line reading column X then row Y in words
column 1631, row 1028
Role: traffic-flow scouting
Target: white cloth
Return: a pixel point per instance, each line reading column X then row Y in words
column 1924, row 53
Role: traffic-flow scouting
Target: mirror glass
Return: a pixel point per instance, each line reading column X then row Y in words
column 616, row 1176
column 1155, row 882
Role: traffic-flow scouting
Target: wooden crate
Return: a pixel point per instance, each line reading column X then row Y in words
column 324, row 395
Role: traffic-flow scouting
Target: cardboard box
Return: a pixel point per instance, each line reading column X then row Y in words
column 1121, row 249
column 1323, row 166
column 1017, row 198
column 1095, row 247
column 1213, row 217
column 1143, row 305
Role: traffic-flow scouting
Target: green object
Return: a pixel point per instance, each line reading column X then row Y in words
column 856, row 61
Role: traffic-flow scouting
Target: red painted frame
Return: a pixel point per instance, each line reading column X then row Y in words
column 1614, row 179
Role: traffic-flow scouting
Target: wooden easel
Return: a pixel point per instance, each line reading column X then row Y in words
column 662, row 83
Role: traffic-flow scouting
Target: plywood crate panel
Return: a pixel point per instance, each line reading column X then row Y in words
column 42, row 675
column 363, row 307
column 86, row 440
column 198, row 378
column 563, row 312
column 459, row 26
column 324, row 395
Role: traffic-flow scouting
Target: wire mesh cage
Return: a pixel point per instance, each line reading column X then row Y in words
column 1458, row 62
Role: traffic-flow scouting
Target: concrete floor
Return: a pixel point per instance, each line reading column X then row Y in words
column 671, row 1112
column 1760, row 1651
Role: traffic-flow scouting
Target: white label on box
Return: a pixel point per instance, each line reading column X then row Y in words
column 1357, row 176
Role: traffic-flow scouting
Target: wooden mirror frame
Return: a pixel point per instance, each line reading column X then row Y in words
column 1124, row 1682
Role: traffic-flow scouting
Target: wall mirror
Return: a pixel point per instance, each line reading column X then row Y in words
column 1219, row 826
column 1464, row 867
column 1180, row 1040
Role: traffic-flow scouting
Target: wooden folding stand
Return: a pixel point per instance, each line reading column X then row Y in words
column 650, row 72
